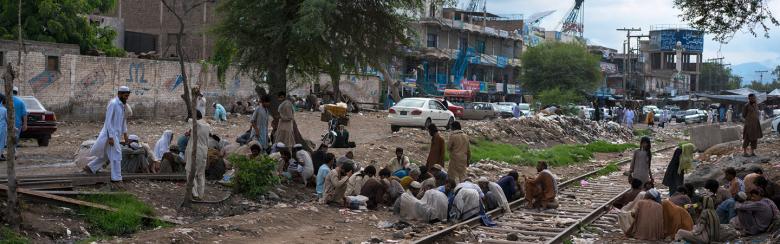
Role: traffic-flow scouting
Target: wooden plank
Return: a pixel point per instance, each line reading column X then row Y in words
column 54, row 199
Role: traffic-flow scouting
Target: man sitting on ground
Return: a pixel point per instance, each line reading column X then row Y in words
column 318, row 156
column 336, row 185
column 323, row 171
column 648, row 224
column 733, row 184
column 374, row 190
column 754, row 215
column 680, row 197
column 542, row 190
column 466, row 203
column 413, row 176
column 770, row 189
column 717, row 193
column 438, row 172
column 356, row 181
column 494, row 195
column 342, row 138
column 636, row 188
column 508, row 184
column 394, row 187
column 400, row 162
column 751, row 178
column 305, row 167
column 171, row 162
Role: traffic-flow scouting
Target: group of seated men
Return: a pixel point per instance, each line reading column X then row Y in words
column 742, row 207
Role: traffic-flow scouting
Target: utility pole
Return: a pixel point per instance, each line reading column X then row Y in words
column 761, row 75
column 627, row 55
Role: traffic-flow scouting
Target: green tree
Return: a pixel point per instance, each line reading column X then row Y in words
column 277, row 39
column 558, row 97
column 723, row 18
column 567, row 66
column 60, row 21
column 715, row 77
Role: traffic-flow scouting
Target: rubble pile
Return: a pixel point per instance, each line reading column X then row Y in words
column 548, row 129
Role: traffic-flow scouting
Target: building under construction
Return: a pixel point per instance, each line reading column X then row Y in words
column 471, row 54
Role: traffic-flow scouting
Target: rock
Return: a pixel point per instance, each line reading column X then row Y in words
column 512, row 237
column 272, row 196
column 398, row 235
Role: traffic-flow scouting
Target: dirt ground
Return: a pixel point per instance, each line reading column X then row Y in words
column 293, row 218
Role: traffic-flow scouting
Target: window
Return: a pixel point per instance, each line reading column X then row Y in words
column 52, row 63
column 432, row 106
column 433, row 40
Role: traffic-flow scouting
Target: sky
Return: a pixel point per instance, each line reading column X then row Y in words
column 602, row 17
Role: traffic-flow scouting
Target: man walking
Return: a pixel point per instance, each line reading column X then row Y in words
column 107, row 144
column 284, row 129
column 202, row 147
column 458, row 147
column 259, row 122
column 752, row 129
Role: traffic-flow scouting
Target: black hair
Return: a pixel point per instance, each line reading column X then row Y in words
column 730, row 171
column 751, row 95
column 198, row 115
column 456, row 125
column 265, row 99
column 370, row 171
column 285, row 153
column 2, row 98
column 711, row 185
column 542, row 163
column 281, row 94
column 761, row 182
column 514, row 174
column 690, row 189
column 433, row 129
column 682, row 189
column 255, row 147
column 347, row 167
column 636, row 183
column 758, row 170
column 384, row 172
column 399, row 149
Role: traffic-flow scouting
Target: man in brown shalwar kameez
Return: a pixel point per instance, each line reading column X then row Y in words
column 436, row 154
column 751, row 131
column 541, row 191
column 284, row 131
column 460, row 154
column 648, row 224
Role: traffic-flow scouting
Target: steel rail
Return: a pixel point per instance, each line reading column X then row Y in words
column 593, row 215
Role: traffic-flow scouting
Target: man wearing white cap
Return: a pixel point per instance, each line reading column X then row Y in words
column 107, row 144
column 20, row 114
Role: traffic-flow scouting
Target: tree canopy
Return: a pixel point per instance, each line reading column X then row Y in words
column 567, row 66
column 60, row 21
column 723, row 18
column 716, row 77
column 277, row 39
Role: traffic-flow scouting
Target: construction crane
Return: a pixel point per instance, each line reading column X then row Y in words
column 573, row 22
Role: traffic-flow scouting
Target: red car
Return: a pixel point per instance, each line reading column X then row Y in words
column 41, row 123
column 455, row 109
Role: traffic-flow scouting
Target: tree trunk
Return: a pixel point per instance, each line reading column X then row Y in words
column 335, row 81
column 277, row 82
column 14, row 217
column 394, row 85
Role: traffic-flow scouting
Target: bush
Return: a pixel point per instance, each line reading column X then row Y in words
column 253, row 177
column 642, row 132
column 608, row 169
column 126, row 220
column 8, row 236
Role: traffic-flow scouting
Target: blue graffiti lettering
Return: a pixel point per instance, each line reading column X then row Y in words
column 136, row 67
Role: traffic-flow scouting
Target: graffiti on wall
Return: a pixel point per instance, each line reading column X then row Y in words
column 235, row 86
column 96, row 77
column 174, row 83
column 134, row 71
column 43, row 80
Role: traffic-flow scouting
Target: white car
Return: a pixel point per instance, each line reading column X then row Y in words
column 776, row 123
column 525, row 109
column 419, row 112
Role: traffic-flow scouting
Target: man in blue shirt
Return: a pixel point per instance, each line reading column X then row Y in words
column 20, row 112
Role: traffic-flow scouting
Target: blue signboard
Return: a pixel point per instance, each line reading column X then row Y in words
column 501, row 61
column 691, row 40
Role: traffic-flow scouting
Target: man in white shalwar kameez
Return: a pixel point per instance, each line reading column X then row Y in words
column 199, row 184
column 494, row 195
column 284, row 131
column 107, row 145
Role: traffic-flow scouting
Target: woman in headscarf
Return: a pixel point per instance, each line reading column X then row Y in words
column 675, row 218
column 163, row 145
column 708, row 228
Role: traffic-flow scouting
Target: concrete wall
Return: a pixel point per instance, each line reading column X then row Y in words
column 706, row 136
column 84, row 84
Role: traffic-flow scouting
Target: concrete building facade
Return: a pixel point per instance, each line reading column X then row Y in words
column 490, row 65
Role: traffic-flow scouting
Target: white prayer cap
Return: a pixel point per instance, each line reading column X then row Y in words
column 124, row 89
column 415, row 185
column 297, row 146
column 280, row 145
column 134, row 138
column 483, row 179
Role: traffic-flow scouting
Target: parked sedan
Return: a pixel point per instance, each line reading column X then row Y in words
column 420, row 113
column 41, row 123
column 505, row 109
column 480, row 111
column 695, row 116
column 776, row 123
column 525, row 109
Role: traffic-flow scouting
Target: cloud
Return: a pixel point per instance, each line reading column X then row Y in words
column 602, row 17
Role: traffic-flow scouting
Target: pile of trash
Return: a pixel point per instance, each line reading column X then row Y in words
column 548, row 129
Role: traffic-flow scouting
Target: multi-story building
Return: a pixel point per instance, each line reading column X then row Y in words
column 457, row 49
column 149, row 26
column 671, row 61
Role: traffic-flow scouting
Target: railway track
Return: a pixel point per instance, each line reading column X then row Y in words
column 579, row 205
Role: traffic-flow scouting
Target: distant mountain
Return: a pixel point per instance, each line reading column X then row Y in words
column 748, row 72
